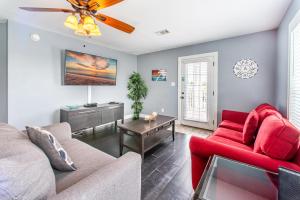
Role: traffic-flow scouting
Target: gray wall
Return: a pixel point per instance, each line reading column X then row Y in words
column 35, row 93
column 234, row 93
column 282, row 58
column 3, row 70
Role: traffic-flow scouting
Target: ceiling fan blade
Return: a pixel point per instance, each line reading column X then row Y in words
column 47, row 9
column 81, row 3
column 115, row 23
column 73, row 2
column 78, row 4
column 100, row 4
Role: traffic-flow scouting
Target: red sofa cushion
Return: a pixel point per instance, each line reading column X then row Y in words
column 202, row 149
column 257, row 148
column 250, row 127
column 264, row 106
column 265, row 113
column 229, row 134
column 277, row 138
column 230, row 142
column 265, row 110
column 297, row 157
column 232, row 125
column 234, row 116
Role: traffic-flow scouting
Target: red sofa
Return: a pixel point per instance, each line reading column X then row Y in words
column 266, row 150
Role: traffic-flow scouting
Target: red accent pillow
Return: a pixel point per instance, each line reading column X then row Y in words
column 264, row 106
column 258, row 139
column 266, row 113
column 250, row 127
column 277, row 138
column 265, row 110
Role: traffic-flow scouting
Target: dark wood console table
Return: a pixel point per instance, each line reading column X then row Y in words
column 82, row 118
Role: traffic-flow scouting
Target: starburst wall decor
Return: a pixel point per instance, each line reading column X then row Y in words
column 245, row 68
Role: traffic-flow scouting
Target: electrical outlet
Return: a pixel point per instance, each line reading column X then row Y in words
column 162, row 110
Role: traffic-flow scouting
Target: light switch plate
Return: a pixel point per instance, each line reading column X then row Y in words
column 173, row 84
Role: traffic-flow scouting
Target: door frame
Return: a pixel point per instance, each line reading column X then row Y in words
column 215, row 56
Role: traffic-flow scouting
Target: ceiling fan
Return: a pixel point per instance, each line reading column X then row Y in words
column 87, row 10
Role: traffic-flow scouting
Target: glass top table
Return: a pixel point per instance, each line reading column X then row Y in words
column 225, row 179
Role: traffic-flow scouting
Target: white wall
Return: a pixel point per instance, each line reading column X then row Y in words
column 35, row 92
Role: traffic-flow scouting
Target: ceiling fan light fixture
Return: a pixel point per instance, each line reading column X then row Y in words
column 89, row 23
column 71, row 22
column 81, row 31
column 87, row 11
column 95, row 32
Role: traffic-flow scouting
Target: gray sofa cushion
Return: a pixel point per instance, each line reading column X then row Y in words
column 61, row 131
column 25, row 171
column 9, row 133
column 87, row 159
column 57, row 155
column 118, row 180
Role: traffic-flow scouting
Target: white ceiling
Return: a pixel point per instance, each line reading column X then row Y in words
column 189, row 21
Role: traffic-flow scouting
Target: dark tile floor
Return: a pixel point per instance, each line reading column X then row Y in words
column 166, row 170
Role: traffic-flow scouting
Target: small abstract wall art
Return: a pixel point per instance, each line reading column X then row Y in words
column 159, row 75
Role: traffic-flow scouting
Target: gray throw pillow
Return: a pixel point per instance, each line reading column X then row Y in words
column 58, row 157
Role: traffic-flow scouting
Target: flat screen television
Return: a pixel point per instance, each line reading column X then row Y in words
column 87, row 69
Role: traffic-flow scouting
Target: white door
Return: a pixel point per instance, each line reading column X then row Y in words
column 198, row 90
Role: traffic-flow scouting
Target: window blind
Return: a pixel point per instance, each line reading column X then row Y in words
column 294, row 89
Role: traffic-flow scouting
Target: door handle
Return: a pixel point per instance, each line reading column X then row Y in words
column 182, row 97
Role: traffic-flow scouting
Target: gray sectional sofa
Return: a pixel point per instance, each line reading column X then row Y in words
column 26, row 173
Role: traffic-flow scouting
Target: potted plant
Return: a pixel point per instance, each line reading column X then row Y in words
column 137, row 90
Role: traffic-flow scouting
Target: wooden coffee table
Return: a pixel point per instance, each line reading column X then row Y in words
column 141, row 136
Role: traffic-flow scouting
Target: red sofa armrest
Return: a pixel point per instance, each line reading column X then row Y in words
column 234, row 116
column 202, row 149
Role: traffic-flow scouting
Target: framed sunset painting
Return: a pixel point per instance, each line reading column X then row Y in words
column 159, row 75
column 87, row 69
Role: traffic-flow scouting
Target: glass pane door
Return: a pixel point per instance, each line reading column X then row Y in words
column 195, row 91
column 197, row 102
